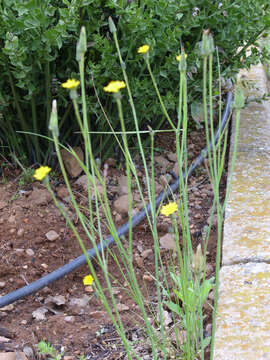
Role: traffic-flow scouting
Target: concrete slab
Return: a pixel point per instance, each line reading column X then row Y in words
column 247, row 217
column 243, row 323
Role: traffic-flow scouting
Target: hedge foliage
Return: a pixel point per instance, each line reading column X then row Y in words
column 39, row 38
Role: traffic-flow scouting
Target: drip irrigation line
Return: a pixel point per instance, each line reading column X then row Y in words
column 122, row 230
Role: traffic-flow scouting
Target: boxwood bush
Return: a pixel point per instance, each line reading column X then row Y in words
column 38, row 41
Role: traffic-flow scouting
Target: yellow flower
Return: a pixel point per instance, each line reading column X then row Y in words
column 114, row 86
column 143, row 49
column 169, row 209
column 41, row 172
column 88, row 280
column 178, row 57
column 71, row 84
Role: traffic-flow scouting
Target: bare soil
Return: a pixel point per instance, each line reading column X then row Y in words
column 26, row 216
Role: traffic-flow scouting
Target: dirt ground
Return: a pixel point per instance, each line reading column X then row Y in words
column 73, row 319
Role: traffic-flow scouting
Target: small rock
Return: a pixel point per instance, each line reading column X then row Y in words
column 39, row 313
column 52, row 235
column 45, row 266
column 121, row 204
column 4, row 339
column 2, row 284
column 11, row 219
column 3, row 204
column 58, row 300
column 24, row 322
column 70, row 319
column 138, row 261
column 146, row 253
column 122, row 307
column 118, row 218
column 20, row 232
column 167, row 242
column 12, row 231
column 167, row 319
column 89, row 289
column 28, row 351
column 162, row 162
column 123, row 185
column 39, row 197
column 62, row 192
column 172, row 156
column 83, row 182
column 71, row 164
column 148, row 278
column 30, row 252
column 98, row 314
column 81, row 302
column 9, row 307
column 13, row 356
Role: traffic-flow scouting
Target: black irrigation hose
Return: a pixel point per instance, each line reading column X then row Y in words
column 81, row 260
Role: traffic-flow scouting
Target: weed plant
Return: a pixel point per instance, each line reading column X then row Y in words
column 181, row 284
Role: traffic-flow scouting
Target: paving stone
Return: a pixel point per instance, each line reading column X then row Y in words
column 247, row 219
column 243, row 323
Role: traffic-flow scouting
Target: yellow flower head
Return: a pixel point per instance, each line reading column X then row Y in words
column 178, row 57
column 41, row 172
column 114, row 86
column 169, row 209
column 71, row 84
column 143, row 49
column 88, row 280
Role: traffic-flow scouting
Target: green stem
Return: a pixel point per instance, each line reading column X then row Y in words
column 48, row 91
column 19, row 110
column 158, row 94
column 35, row 128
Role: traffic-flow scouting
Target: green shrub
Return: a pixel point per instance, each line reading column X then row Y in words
column 38, row 49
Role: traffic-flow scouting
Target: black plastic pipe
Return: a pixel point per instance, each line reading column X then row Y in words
column 81, row 260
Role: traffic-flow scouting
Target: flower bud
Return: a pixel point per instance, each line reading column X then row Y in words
column 239, row 98
column 197, row 261
column 182, row 66
column 81, row 45
column 207, row 44
column 111, row 25
column 53, row 124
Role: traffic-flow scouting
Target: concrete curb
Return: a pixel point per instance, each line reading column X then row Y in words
column 243, row 322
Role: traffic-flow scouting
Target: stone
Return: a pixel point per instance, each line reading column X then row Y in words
column 123, row 185
column 2, row 284
column 70, row 319
column 162, row 162
column 30, row 252
column 62, row 192
column 12, row 356
column 9, row 307
column 20, row 232
column 3, row 204
column 83, row 182
column 72, row 166
column 52, row 235
column 39, row 197
column 172, row 156
column 146, row 253
column 167, row 242
column 121, row 204
column 122, row 307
